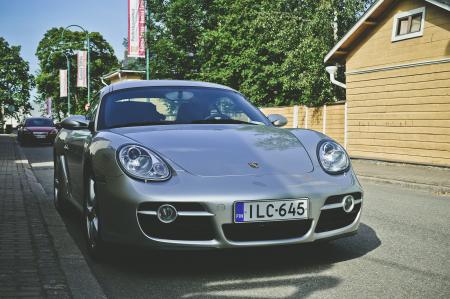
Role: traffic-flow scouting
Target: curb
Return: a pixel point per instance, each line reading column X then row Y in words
column 80, row 279
column 441, row 190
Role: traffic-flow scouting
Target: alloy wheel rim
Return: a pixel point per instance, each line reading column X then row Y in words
column 91, row 215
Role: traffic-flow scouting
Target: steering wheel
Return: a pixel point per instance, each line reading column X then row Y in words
column 217, row 116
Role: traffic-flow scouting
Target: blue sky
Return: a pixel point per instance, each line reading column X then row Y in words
column 24, row 22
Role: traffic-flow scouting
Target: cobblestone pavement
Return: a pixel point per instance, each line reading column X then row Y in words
column 29, row 266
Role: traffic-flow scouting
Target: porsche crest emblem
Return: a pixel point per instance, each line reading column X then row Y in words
column 253, row 165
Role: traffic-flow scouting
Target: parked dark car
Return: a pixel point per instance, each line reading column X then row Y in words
column 36, row 130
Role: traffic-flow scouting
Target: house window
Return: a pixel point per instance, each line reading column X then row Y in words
column 408, row 24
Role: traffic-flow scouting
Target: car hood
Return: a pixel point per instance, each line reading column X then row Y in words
column 224, row 150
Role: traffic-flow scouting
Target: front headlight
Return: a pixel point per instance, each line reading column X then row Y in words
column 332, row 157
column 141, row 163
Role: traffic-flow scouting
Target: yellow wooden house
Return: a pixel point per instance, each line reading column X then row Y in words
column 123, row 75
column 397, row 63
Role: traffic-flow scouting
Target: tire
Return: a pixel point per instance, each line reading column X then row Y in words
column 59, row 200
column 91, row 221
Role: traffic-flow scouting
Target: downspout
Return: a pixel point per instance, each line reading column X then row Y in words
column 332, row 70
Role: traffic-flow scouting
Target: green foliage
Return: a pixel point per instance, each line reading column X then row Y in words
column 270, row 50
column 15, row 80
column 50, row 53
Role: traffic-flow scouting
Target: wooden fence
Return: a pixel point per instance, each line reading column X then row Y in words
column 329, row 119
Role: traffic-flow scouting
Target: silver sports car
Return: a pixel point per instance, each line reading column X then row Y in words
column 181, row 164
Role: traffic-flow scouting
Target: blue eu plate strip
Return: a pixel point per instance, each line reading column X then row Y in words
column 239, row 212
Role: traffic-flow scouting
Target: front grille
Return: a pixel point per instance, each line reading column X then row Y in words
column 265, row 231
column 180, row 206
column 338, row 198
column 183, row 228
column 187, row 228
column 332, row 219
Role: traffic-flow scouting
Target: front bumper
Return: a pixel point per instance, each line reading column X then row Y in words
column 38, row 138
column 128, row 207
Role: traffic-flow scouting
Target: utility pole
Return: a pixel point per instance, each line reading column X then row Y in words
column 147, row 39
column 68, row 87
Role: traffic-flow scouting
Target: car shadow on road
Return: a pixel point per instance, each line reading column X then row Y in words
column 282, row 258
column 286, row 272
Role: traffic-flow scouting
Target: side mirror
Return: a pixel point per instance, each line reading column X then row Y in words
column 277, row 120
column 76, row 122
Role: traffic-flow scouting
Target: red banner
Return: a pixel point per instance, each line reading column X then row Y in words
column 136, row 28
column 63, row 83
column 81, row 71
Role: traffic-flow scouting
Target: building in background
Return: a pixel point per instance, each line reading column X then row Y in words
column 397, row 61
column 123, row 75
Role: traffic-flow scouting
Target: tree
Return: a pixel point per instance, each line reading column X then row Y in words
column 175, row 29
column 50, row 52
column 271, row 50
column 15, row 80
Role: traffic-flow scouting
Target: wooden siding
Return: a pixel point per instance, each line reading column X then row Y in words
column 376, row 49
column 401, row 114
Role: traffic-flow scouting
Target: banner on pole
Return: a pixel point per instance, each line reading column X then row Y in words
column 81, row 70
column 63, row 83
column 48, row 107
column 136, row 28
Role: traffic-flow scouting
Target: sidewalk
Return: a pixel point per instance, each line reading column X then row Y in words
column 435, row 179
column 37, row 256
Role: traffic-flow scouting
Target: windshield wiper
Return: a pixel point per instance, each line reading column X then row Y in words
column 224, row 121
column 144, row 123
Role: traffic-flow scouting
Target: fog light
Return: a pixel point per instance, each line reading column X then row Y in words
column 348, row 203
column 167, row 213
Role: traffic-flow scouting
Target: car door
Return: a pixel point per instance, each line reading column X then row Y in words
column 74, row 149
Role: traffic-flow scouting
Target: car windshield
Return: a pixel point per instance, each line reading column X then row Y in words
column 176, row 105
column 39, row 122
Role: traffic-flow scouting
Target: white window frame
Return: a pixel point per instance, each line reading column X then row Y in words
column 402, row 15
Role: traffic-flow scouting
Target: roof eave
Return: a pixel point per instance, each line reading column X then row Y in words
column 355, row 27
column 362, row 24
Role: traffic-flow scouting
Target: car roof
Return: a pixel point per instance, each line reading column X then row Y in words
column 152, row 83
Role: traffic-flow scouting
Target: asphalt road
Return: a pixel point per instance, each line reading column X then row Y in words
column 402, row 250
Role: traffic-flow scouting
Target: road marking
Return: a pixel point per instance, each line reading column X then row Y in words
column 42, row 164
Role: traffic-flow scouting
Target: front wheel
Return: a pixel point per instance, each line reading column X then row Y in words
column 91, row 221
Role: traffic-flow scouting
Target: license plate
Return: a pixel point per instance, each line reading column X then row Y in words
column 40, row 136
column 255, row 211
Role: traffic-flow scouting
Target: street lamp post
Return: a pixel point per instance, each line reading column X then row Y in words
column 68, row 77
column 147, row 33
column 88, row 46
